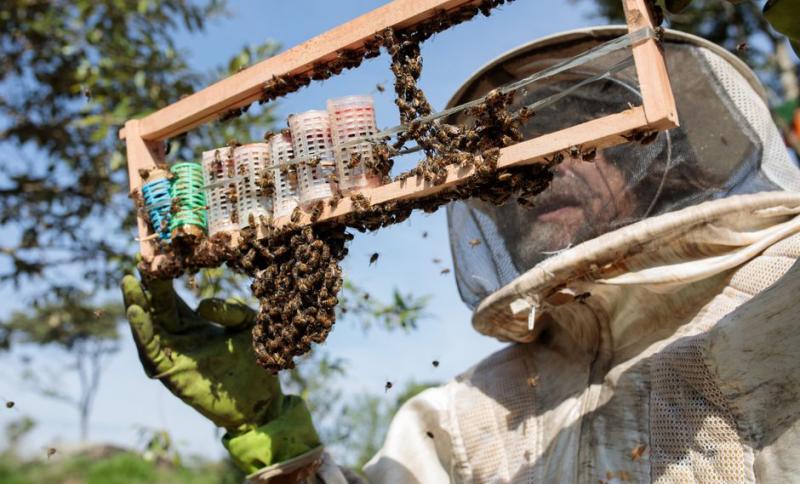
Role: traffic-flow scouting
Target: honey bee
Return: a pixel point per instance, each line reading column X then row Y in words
column 335, row 199
column 231, row 194
column 388, row 386
column 474, row 242
column 638, row 451
column 296, row 213
column 589, row 155
column 9, row 404
column 445, row 271
column 435, row 363
column 429, row 434
column 373, row 258
column 355, row 160
column 316, row 211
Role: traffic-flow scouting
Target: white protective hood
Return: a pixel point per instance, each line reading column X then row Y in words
column 727, row 147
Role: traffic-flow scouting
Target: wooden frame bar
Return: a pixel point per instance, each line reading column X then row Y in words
column 144, row 136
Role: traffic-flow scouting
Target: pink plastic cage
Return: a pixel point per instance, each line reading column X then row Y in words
column 311, row 139
column 352, row 121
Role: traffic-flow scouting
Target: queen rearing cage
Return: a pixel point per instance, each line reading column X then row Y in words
column 315, row 151
column 285, row 196
column 219, row 176
column 352, row 121
column 251, row 162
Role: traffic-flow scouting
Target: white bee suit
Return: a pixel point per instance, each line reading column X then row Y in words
column 682, row 367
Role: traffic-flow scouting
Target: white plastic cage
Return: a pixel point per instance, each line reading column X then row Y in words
column 311, row 139
column 285, row 195
column 219, row 177
column 251, row 160
column 353, row 123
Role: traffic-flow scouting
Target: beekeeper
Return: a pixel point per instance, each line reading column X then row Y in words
column 649, row 296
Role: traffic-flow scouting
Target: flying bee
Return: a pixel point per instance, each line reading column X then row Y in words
column 445, row 271
column 741, row 47
column 380, row 87
column 429, row 434
column 51, row 451
column 425, row 234
column 268, row 135
column 9, row 404
column 436, row 260
column 435, row 363
column 474, row 242
column 532, row 380
column 373, row 258
column 388, row 386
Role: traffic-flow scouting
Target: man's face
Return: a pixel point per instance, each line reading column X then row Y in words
column 582, row 202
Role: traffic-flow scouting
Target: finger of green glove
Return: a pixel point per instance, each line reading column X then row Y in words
column 152, row 356
column 290, row 434
column 164, row 305
column 133, row 293
column 229, row 313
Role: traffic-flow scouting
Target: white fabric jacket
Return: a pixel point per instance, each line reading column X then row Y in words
column 668, row 350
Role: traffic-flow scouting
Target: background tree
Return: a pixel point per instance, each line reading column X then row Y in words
column 741, row 27
column 84, row 334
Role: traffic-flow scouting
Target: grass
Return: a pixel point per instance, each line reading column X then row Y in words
column 120, row 468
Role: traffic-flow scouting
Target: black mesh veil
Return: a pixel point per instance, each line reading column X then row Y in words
column 726, row 145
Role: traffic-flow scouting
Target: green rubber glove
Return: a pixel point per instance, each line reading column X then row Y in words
column 784, row 15
column 206, row 359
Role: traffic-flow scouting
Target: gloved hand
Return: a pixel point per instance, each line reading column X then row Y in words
column 212, row 367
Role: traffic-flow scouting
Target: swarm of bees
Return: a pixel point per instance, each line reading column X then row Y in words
column 297, row 279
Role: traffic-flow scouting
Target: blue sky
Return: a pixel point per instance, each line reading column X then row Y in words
column 127, row 399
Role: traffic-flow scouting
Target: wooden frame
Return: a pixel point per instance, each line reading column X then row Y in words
column 145, row 136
